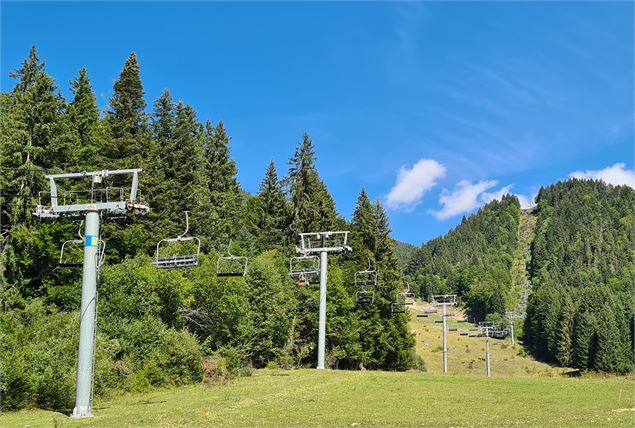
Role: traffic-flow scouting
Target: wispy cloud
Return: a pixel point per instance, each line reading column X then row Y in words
column 488, row 197
column 468, row 196
column 616, row 175
column 526, row 202
column 463, row 199
column 413, row 183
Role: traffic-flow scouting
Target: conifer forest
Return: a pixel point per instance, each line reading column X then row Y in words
column 565, row 267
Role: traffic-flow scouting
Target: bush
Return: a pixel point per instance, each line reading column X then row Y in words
column 38, row 356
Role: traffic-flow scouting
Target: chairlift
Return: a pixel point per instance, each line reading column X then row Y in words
column 167, row 253
column 403, row 299
column 365, row 297
column 304, row 266
column 231, row 265
column 72, row 252
column 408, row 294
column 366, row 277
column 398, row 306
column 452, row 329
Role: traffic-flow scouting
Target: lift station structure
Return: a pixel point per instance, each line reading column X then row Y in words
column 89, row 206
column 323, row 243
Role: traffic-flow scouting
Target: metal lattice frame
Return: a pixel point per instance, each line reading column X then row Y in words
column 108, row 200
column 332, row 242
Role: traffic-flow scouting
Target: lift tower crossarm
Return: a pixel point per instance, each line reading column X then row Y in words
column 106, row 200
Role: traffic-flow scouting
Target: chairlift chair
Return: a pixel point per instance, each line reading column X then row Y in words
column 398, row 306
column 408, row 294
column 365, row 297
column 366, row 277
column 231, row 265
column 304, row 266
column 173, row 245
column 72, row 252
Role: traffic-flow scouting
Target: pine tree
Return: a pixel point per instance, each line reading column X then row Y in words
column 271, row 212
column 33, row 135
column 221, row 168
column 188, row 160
column 223, row 217
column 565, row 331
column 129, row 143
column 584, row 339
column 364, row 221
column 608, row 356
column 84, row 117
column 312, row 207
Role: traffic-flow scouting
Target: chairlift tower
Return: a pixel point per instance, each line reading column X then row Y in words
column 89, row 206
column 486, row 328
column 323, row 243
column 511, row 317
column 444, row 300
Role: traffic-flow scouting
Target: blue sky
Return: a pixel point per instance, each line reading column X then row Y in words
column 433, row 107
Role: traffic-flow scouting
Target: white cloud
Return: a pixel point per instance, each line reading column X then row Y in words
column 463, row 199
column 526, row 201
column 488, row 197
column 413, row 183
column 616, row 175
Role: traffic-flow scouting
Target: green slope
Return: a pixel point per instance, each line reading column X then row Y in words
column 311, row 398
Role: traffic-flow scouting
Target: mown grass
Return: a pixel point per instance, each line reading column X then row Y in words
column 307, row 398
column 522, row 392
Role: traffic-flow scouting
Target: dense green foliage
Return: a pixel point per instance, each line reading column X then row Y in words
column 163, row 327
column 583, row 269
column 473, row 260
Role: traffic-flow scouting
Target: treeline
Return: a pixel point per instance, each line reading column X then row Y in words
column 159, row 327
column 473, row 260
column 582, row 313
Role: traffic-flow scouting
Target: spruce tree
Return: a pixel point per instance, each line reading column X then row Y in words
column 565, row 331
column 364, row 221
column 129, row 143
column 608, row 356
column 84, row 117
column 35, row 136
column 312, row 207
column 221, row 168
column 271, row 212
column 223, row 219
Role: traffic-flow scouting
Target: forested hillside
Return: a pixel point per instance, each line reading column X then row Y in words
column 474, row 260
column 165, row 327
column 581, row 312
column 583, row 271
